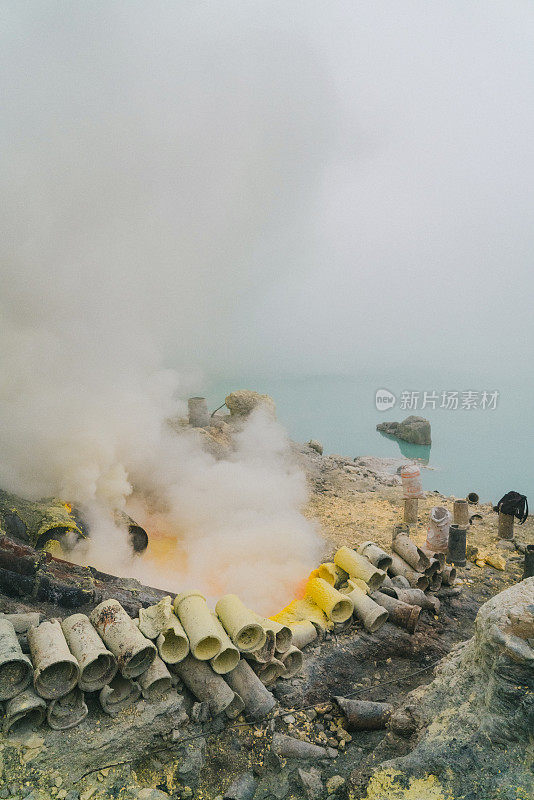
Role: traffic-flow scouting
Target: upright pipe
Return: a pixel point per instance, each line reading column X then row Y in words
column 208, row 687
column 16, row 670
column 460, row 513
column 456, row 552
column 97, row 665
column 257, row 699
column 528, row 569
column 134, row 653
column 199, row 416
column 411, row 510
column 506, row 526
column 56, row 669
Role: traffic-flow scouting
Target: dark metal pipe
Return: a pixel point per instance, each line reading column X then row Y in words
column 400, row 613
column 363, row 715
column 457, row 543
column 528, row 570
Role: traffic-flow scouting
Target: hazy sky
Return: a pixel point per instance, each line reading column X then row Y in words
column 276, row 187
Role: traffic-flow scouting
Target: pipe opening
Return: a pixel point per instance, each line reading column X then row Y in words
column 380, row 619
column 157, row 689
column 283, row 639
column 140, row 662
column 341, row 611
column 57, row 679
column 68, row 537
column 235, row 708
column 207, row 648
column 226, row 661
column 12, row 674
column 26, row 721
column 250, row 637
column 98, row 672
column 138, row 538
column 292, row 663
column 172, row 648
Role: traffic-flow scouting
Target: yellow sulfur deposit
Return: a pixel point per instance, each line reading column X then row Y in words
column 300, row 610
column 496, row 560
column 390, row 784
column 337, row 607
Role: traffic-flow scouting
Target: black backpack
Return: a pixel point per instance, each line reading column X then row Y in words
column 514, row 504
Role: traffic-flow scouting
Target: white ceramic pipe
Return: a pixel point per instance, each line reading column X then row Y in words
column 240, row 623
column 370, row 613
column 228, row 655
column 56, row 669
column 16, row 670
column 155, row 682
column 97, row 665
column 304, row 632
column 197, row 620
column 133, row 651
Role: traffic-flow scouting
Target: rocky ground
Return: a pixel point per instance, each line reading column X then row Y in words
column 353, row 500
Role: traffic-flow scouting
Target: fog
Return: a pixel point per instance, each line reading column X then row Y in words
column 200, row 189
column 271, row 186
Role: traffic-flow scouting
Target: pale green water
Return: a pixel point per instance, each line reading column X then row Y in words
column 487, row 451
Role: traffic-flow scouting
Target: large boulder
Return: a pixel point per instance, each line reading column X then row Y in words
column 415, row 430
column 475, row 720
column 244, row 401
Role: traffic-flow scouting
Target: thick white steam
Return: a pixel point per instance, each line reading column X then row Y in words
column 150, row 160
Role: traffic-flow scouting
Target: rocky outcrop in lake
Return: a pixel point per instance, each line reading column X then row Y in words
column 415, row 430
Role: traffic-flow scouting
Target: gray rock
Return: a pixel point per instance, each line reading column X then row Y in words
column 311, row 783
column 334, row 784
column 241, row 789
column 244, row 401
column 288, row 747
column 193, row 757
column 415, row 430
column 137, row 732
column 313, row 444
